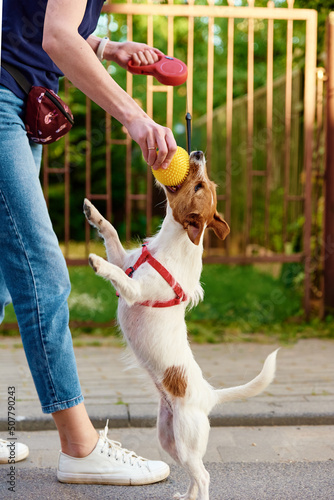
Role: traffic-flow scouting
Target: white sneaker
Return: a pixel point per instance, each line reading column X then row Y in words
column 109, row 463
column 11, row 450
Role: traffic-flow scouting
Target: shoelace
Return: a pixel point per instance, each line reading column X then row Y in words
column 115, row 448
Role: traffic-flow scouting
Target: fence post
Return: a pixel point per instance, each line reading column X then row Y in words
column 329, row 174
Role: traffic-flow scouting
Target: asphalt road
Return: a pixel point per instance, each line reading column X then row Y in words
column 241, row 481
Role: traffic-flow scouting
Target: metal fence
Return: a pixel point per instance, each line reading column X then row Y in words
column 275, row 158
column 327, row 253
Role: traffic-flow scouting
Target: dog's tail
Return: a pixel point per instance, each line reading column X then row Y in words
column 252, row 388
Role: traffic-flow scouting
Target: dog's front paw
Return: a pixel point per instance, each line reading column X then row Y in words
column 87, row 209
column 92, row 214
column 95, row 262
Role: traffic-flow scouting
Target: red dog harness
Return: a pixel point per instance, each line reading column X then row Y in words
column 147, row 257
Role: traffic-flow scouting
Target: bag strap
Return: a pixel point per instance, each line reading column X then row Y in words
column 18, row 77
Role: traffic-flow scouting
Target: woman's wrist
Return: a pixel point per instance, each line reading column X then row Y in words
column 132, row 113
column 109, row 49
column 94, row 42
column 100, row 53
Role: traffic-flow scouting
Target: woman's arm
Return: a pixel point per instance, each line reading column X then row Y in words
column 77, row 60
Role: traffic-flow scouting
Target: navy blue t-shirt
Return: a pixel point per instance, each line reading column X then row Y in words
column 22, row 34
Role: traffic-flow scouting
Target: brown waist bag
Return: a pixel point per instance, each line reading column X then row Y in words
column 47, row 117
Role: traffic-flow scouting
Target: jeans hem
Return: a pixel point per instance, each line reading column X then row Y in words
column 63, row 405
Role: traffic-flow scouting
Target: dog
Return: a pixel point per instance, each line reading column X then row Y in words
column 156, row 284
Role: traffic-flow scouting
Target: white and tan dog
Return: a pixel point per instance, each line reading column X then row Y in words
column 163, row 280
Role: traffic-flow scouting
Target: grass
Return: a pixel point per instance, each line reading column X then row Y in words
column 241, row 303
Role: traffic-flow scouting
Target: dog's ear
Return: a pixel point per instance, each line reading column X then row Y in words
column 194, row 225
column 220, row 226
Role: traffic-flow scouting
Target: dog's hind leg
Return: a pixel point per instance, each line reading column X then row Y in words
column 191, row 431
column 165, row 428
column 115, row 251
column 166, row 436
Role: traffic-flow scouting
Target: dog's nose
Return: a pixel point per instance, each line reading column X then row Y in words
column 198, row 155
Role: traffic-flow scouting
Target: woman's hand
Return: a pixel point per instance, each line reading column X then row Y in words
column 156, row 142
column 122, row 52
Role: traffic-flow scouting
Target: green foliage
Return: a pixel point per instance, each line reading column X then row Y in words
column 241, row 303
column 323, row 8
column 244, row 297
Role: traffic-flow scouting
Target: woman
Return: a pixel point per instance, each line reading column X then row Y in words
column 44, row 39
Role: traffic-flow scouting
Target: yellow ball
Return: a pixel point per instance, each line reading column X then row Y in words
column 177, row 171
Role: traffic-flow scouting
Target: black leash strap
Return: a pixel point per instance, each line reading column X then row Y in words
column 188, row 120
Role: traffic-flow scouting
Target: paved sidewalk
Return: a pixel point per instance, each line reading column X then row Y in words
column 302, row 393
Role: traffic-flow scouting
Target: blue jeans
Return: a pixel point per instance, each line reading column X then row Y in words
column 33, row 272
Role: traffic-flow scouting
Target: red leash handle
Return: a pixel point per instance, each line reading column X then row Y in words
column 167, row 70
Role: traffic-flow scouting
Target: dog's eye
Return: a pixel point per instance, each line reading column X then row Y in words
column 199, row 186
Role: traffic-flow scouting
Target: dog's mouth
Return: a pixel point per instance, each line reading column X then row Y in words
column 173, row 189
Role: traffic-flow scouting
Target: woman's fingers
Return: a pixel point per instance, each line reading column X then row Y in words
column 144, row 57
column 158, row 147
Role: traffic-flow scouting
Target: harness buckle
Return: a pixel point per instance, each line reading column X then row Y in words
column 130, row 273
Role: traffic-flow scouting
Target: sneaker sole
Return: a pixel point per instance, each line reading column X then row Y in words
column 67, row 477
column 21, row 456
